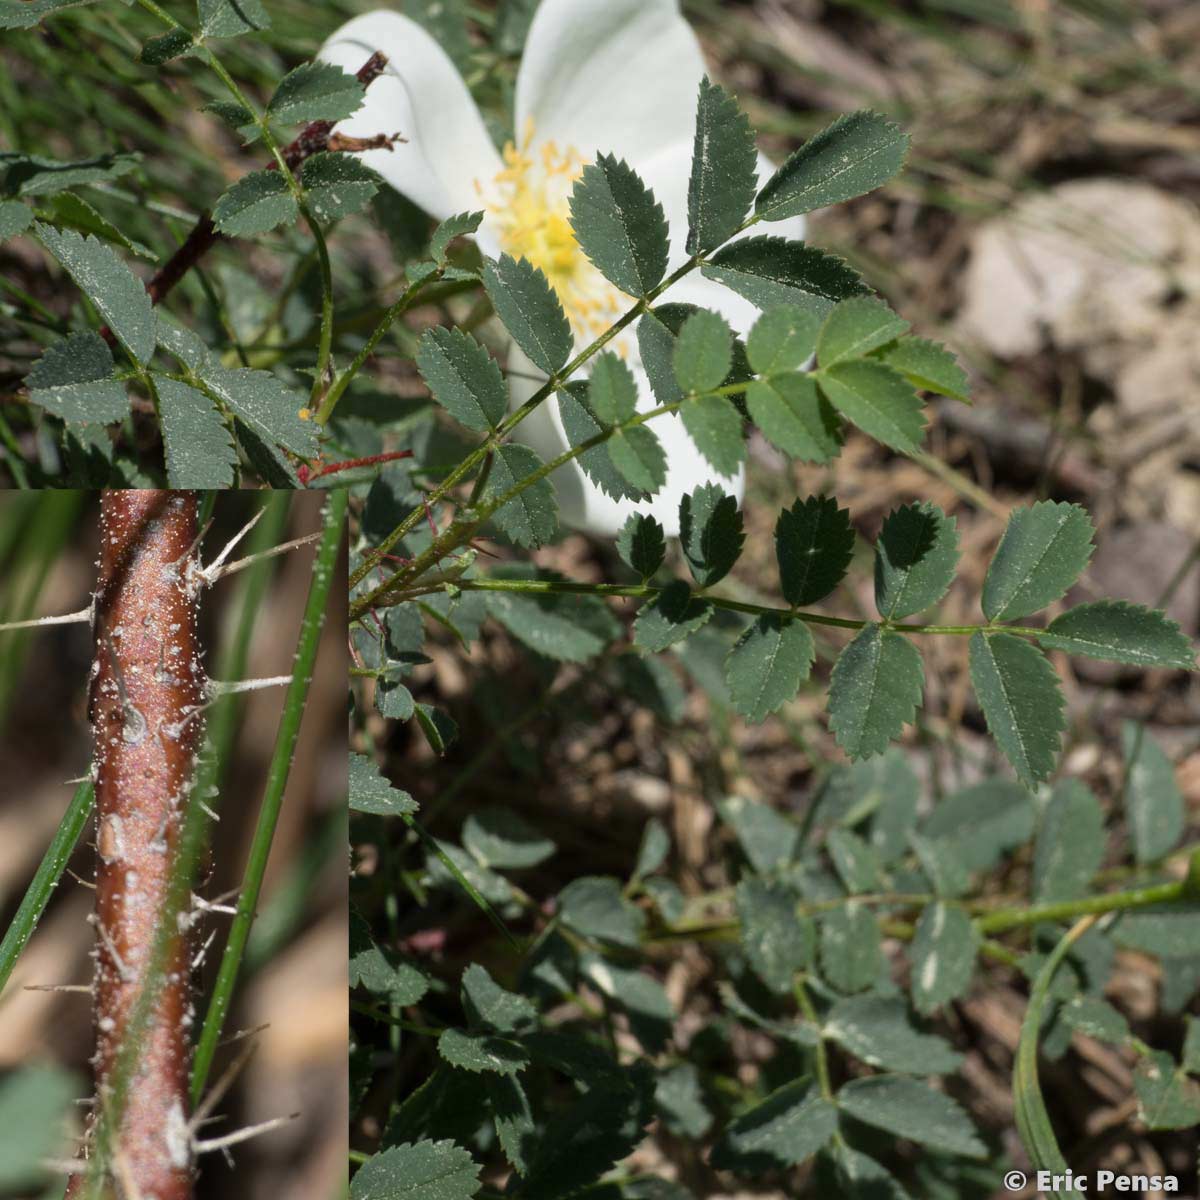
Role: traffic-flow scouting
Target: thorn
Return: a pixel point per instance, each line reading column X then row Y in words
column 203, row 1146
column 218, row 1089
column 80, row 880
column 198, row 957
column 231, row 545
column 218, row 687
column 75, row 618
column 196, row 543
column 59, row 987
column 127, row 976
column 242, row 1034
column 215, row 570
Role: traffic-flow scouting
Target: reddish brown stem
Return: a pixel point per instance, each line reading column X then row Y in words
column 312, row 139
column 307, row 474
column 147, row 693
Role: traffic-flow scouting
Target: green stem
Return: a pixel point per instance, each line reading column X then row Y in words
column 386, row 1018
column 325, row 345
column 38, row 894
column 820, row 1055
column 1066, row 910
column 277, row 777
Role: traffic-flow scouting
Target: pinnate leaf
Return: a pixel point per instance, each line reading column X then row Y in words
column 877, row 400
column 109, row 284
column 767, row 665
column 619, row 225
column 855, row 328
column 196, row 439
column 915, row 560
column 73, row 380
column 424, row 1170
column 910, row 1109
column 530, row 518
column 795, row 417
column 710, row 533
column 1153, row 802
column 315, row 91
column 874, row 691
column 786, row 1129
column 641, row 544
column 337, row 185
column 1041, row 554
column 526, row 303
column 769, row 271
column 463, row 377
column 1121, row 632
column 1020, row 696
column 814, row 543
column 256, row 203
column 855, row 154
column 165, row 47
column 943, row 956
column 724, row 170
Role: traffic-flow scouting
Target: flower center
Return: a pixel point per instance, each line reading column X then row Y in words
column 529, row 207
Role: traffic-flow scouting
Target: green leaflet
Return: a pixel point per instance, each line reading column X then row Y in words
column 482, row 1052
column 530, row 518
column 855, row 861
column 715, row 426
column 108, row 283
column 581, row 424
column 874, row 691
column 512, row 1117
column 463, row 377
column 795, row 417
column 453, row 227
column 487, row 1003
column 851, row 955
column 703, row 353
column 769, row 271
column 267, row 405
column 844, row 1172
column 1020, row 696
column 854, row 155
column 768, row 839
column 641, row 544
column 337, row 185
column 1120, row 632
column 679, row 1098
column 670, row 617
column 67, row 210
column 595, row 907
column 876, row 399
column 28, row 13
column 782, row 339
column 636, row 993
column 1042, row 552
column 814, row 543
column 562, row 627
column 879, row 1030
column 943, row 956
column 34, row 1102
column 767, row 665
column 906, row 1108
column 15, row 218
column 165, row 47
column 315, row 91
column 619, row 225
column 371, row 793
column 1167, row 1097
column 855, row 328
column 915, row 560
column 927, row 365
column 777, row 940
column 612, row 389
column 1153, row 802
column 500, row 838
column 724, row 170
column 639, row 458
column 710, row 533
column 256, row 203
column 418, row 1171
column 33, row 175
column 197, row 442
column 231, row 18
column 981, row 823
column 73, row 380
column 1070, row 843
column 530, row 310
column 786, row 1129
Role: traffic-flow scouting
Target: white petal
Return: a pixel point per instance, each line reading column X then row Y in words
column 421, row 96
column 584, row 506
column 613, row 76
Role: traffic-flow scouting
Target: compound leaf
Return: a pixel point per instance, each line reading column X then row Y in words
column 337, row 185
column 879, row 1030
column 1070, row 843
column 641, row 544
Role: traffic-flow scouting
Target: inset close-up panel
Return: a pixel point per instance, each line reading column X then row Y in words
column 172, row 675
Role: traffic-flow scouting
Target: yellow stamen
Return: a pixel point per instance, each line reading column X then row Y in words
column 528, row 205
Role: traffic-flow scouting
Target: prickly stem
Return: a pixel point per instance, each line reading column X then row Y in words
column 147, row 689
